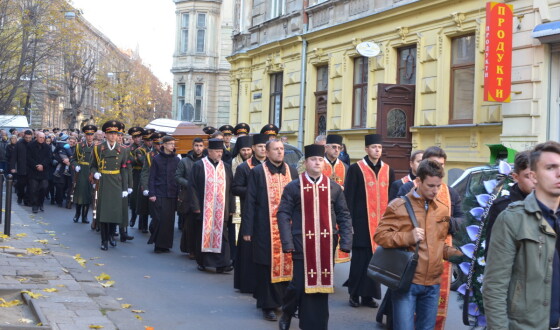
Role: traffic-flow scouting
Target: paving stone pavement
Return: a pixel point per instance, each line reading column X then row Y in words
column 79, row 302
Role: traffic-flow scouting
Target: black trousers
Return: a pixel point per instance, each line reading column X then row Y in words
column 269, row 295
column 63, row 187
column 313, row 308
column 37, row 189
column 107, row 230
column 21, row 187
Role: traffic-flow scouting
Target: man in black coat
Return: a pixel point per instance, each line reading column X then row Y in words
column 244, row 276
column 264, row 190
column 298, row 229
column 187, row 202
column 39, row 160
column 18, row 165
column 163, row 195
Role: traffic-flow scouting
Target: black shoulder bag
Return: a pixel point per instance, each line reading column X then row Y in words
column 395, row 268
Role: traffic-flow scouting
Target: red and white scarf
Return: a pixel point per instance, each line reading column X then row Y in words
column 214, row 206
column 317, row 234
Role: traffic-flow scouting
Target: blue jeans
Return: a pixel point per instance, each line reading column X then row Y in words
column 420, row 299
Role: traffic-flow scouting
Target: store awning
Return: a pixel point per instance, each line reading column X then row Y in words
column 547, row 32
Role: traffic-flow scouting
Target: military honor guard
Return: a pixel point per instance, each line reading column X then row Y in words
column 270, row 130
column 241, row 129
column 141, row 155
column 123, row 226
column 136, row 165
column 163, row 195
column 146, row 209
column 227, row 131
column 244, row 276
column 212, row 179
column 336, row 170
column 81, row 161
column 260, row 226
column 108, row 167
column 313, row 206
column 367, row 193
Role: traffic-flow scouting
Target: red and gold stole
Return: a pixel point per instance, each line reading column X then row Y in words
column 213, row 208
column 337, row 174
column 445, row 285
column 377, row 195
column 317, row 234
column 250, row 163
column 281, row 263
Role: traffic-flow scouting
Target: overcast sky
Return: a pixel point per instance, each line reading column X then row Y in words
column 148, row 24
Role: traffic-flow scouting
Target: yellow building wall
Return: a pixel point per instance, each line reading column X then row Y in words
column 430, row 25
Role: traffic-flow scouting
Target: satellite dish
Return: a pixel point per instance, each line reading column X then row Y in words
column 368, row 49
column 187, row 112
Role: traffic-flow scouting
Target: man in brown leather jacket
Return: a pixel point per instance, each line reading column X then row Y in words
column 397, row 231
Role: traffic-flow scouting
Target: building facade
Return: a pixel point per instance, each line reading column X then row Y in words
column 298, row 67
column 200, row 69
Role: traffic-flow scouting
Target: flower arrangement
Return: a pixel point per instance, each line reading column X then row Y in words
column 472, row 240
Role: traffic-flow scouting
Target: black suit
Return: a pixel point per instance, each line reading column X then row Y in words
column 38, row 154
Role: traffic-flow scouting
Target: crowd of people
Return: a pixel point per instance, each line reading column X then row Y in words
column 296, row 223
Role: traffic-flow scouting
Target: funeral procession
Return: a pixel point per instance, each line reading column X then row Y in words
column 321, row 164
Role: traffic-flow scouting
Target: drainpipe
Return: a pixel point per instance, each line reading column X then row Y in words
column 549, row 94
column 303, row 74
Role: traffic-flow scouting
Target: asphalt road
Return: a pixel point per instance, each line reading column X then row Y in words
column 175, row 295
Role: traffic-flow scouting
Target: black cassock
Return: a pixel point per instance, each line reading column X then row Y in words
column 256, row 223
column 244, row 276
column 313, row 308
column 207, row 259
column 355, row 191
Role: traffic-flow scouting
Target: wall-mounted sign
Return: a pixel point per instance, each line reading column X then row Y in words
column 257, row 96
column 368, row 49
column 498, row 48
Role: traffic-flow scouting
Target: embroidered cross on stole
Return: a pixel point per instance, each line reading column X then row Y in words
column 213, row 207
column 318, row 234
column 281, row 263
column 377, row 195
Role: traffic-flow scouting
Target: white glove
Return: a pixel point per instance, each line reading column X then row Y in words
column 129, row 191
column 94, row 186
column 124, row 194
column 145, row 192
column 77, row 168
column 97, row 175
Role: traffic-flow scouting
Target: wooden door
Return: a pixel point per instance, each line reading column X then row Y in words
column 395, row 116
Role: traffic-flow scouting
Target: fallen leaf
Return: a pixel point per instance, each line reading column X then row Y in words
column 93, row 326
column 137, row 311
column 34, row 295
column 35, row 251
column 6, row 247
column 126, row 306
column 100, row 264
column 50, row 290
column 138, row 317
column 19, row 255
column 107, row 284
column 12, row 303
column 21, row 235
column 4, row 236
column 40, row 324
column 103, row 277
column 80, row 260
column 42, row 241
column 23, row 279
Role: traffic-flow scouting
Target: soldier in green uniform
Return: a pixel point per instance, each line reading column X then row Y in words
column 141, row 200
column 81, row 162
column 108, row 167
column 156, row 139
column 136, row 134
column 123, row 226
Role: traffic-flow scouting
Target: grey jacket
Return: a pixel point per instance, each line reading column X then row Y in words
column 518, row 274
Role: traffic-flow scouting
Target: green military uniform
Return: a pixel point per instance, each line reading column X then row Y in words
column 136, row 166
column 82, row 194
column 144, row 207
column 110, row 162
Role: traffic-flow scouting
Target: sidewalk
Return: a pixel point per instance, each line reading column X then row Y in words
column 64, row 294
